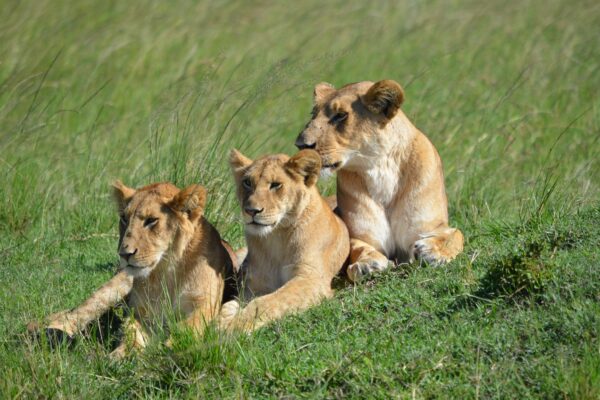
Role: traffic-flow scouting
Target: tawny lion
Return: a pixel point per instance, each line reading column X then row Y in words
column 170, row 255
column 296, row 244
column 390, row 183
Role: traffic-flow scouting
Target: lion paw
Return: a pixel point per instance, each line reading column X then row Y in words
column 230, row 309
column 118, row 354
column 427, row 250
column 62, row 321
column 361, row 269
column 60, row 330
column 228, row 312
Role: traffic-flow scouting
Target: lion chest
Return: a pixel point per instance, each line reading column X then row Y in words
column 153, row 299
column 366, row 199
column 264, row 276
column 382, row 181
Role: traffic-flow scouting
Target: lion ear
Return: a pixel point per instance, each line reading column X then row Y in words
column 122, row 194
column 307, row 164
column 384, row 98
column 238, row 161
column 322, row 91
column 190, row 201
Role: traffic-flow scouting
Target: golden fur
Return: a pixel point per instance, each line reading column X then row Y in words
column 296, row 244
column 170, row 256
column 390, row 183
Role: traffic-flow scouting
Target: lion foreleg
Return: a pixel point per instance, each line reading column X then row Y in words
column 364, row 260
column 297, row 294
column 74, row 321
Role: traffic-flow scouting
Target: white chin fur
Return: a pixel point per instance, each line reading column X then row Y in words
column 138, row 272
column 259, row 230
column 327, row 172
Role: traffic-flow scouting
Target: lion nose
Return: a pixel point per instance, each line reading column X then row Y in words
column 253, row 211
column 125, row 253
column 301, row 144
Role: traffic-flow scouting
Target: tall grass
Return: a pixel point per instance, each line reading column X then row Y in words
column 93, row 91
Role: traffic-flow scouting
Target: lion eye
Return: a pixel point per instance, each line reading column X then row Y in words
column 247, row 183
column 150, row 222
column 275, row 185
column 339, row 117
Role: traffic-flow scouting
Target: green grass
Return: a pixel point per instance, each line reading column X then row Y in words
column 508, row 92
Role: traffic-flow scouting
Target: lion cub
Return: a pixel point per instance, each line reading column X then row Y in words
column 169, row 254
column 296, row 244
column 390, row 183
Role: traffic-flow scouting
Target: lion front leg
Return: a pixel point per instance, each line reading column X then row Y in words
column 364, row 260
column 59, row 328
column 200, row 306
column 199, row 319
column 66, row 324
column 297, row 294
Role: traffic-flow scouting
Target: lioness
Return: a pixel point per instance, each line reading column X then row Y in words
column 170, row 255
column 296, row 244
column 390, row 183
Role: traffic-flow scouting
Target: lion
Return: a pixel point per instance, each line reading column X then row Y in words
column 390, row 182
column 296, row 244
column 170, row 256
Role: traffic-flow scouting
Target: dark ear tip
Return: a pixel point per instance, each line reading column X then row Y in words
column 388, row 85
column 384, row 97
column 389, row 82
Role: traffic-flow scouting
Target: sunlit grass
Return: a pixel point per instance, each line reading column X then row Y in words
column 507, row 91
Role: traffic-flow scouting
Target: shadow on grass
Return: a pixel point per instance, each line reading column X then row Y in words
column 398, row 267
column 106, row 331
column 105, row 267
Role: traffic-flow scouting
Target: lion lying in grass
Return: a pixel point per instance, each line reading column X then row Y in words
column 170, row 256
column 296, row 244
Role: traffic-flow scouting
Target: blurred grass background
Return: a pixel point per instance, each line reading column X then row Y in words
column 92, row 91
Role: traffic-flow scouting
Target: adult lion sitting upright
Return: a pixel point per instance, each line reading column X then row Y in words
column 390, row 183
column 296, row 244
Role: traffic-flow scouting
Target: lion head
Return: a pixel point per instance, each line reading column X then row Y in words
column 347, row 124
column 273, row 190
column 156, row 222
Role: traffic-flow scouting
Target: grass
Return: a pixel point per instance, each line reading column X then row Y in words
column 93, row 91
